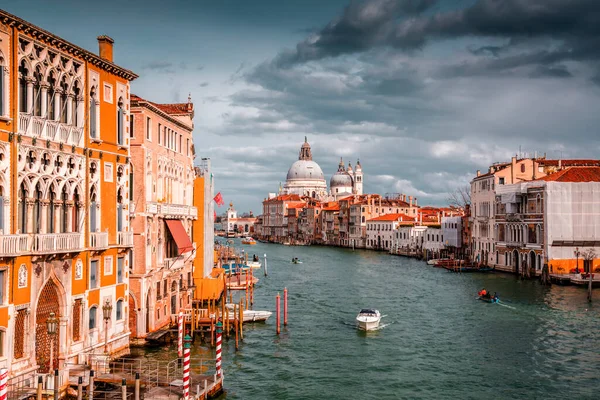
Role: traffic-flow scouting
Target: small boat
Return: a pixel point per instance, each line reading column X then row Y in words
column 254, row 264
column 248, row 240
column 368, row 319
column 296, row 261
column 249, row 315
column 488, row 298
column 436, row 261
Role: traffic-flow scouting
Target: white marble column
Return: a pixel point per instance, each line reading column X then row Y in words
column 70, row 109
column 80, row 112
column 57, row 100
column 29, row 95
column 44, row 100
column 70, row 205
column 57, row 215
column 30, row 203
column 44, row 216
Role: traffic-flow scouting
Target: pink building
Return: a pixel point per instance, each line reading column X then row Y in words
column 162, row 153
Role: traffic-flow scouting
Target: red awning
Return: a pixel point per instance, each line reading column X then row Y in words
column 184, row 244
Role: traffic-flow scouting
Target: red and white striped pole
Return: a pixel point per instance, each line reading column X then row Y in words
column 186, row 367
column 180, row 335
column 218, row 358
column 3, row 384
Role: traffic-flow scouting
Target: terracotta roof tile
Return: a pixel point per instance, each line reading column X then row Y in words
column 392, row 217
column 570, row 163
column 575, row 174
column 172, row 109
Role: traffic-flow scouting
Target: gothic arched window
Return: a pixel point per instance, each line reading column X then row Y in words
column 23, row 209
column 63, row 219
column 23, row 73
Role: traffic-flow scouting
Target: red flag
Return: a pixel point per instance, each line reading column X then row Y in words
column 219, row 199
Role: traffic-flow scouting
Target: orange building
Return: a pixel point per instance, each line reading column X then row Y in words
column 64, row 190
column 162, row 154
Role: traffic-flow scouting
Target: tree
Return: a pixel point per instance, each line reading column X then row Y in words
column 460, row 197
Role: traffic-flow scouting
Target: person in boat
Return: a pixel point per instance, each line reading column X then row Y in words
column 482, row 293
column 254, row 258
column 495, row 297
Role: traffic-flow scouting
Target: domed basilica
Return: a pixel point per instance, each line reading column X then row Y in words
column 305, row 178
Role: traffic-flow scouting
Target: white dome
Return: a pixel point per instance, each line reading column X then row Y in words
column 306, row 170
column 340, row 179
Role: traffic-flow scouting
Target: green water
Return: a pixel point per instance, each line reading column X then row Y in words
column 439, row 342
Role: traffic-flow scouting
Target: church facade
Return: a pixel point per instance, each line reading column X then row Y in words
column 305, row 178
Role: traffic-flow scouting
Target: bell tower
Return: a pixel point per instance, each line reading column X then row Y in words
column 358, row 178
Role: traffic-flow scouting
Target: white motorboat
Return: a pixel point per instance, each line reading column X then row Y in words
column 249, row 315
column 368, row 319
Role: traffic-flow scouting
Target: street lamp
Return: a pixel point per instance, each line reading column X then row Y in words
column 51, row 327
column 107, row 312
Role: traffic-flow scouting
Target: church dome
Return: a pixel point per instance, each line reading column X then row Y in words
column 305, row 170
column 341, row 178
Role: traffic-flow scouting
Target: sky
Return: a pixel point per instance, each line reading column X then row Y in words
column 423, row 92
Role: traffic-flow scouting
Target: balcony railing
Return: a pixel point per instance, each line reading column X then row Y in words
column 176, row 210
column 57, row 242
column 45, row 129
column 99, row 240
column 174, row 263
column 14, row 245
column 125, row 239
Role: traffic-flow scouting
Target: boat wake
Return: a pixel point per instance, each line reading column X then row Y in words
column 500, row 303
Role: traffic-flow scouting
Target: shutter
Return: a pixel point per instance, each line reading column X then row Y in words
column 120, row 126
column 92, row 118
column 2, row 212
column 120, row 217
column 93, row 216
column 1, row 90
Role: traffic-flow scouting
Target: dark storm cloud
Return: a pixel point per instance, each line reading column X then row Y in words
column 405, row 25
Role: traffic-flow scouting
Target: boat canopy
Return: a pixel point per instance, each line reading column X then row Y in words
column 368, row 311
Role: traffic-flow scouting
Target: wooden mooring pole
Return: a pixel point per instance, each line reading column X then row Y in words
column 91, row 386
column 124, row 389
column 266, row 273
column 590, row 284
column 277, row 316
column 285, row 308
column 80, row 388
column 40, row 387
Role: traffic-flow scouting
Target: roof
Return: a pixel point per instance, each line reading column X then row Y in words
column 169, row 109
column 284, row 197
column 296, row 205
column 392, row 217
column 569, row 163
column 335, row 207
column 574, row 174
column 59, row 43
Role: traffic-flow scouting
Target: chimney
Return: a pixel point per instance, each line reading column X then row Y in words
column 478, row 172
column 105, row 44
column 410, row 201
column 415, row 199
column 559, row 164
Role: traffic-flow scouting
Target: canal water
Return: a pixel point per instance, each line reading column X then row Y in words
column 439, row 342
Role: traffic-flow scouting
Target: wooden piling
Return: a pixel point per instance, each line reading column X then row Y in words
column 277, row 316
column 235, row 327
column 285, row 308
column 40, row 387
column 590, row 284
column 241, row 322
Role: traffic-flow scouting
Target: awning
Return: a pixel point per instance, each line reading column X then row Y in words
column 184, row 244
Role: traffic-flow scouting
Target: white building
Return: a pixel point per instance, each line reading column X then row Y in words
column 305, row 177
column 452, row 231
column 433, row 239
column 381, row 230
column 346, row 182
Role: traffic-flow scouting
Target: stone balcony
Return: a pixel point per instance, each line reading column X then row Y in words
column 125, row 239
column 45, row 129
column 176, row 262
column 44, row 243
column 171, row 210
column 98, row 240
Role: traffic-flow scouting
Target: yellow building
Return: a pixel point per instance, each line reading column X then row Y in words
column 64, row 194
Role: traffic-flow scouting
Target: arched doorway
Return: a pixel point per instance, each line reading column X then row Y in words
column 516, row 261
column 532, row 263
column 48, row 302
column 132, row 316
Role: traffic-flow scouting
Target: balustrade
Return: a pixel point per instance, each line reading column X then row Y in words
column 99, row 240
column 13, row 245
column 125, row 239
column 57, row 242
column 49, row 130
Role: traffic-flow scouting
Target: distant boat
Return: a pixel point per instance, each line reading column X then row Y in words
column 296, row 261
column 368, row 319
column 248, row 240
column 436, row 261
